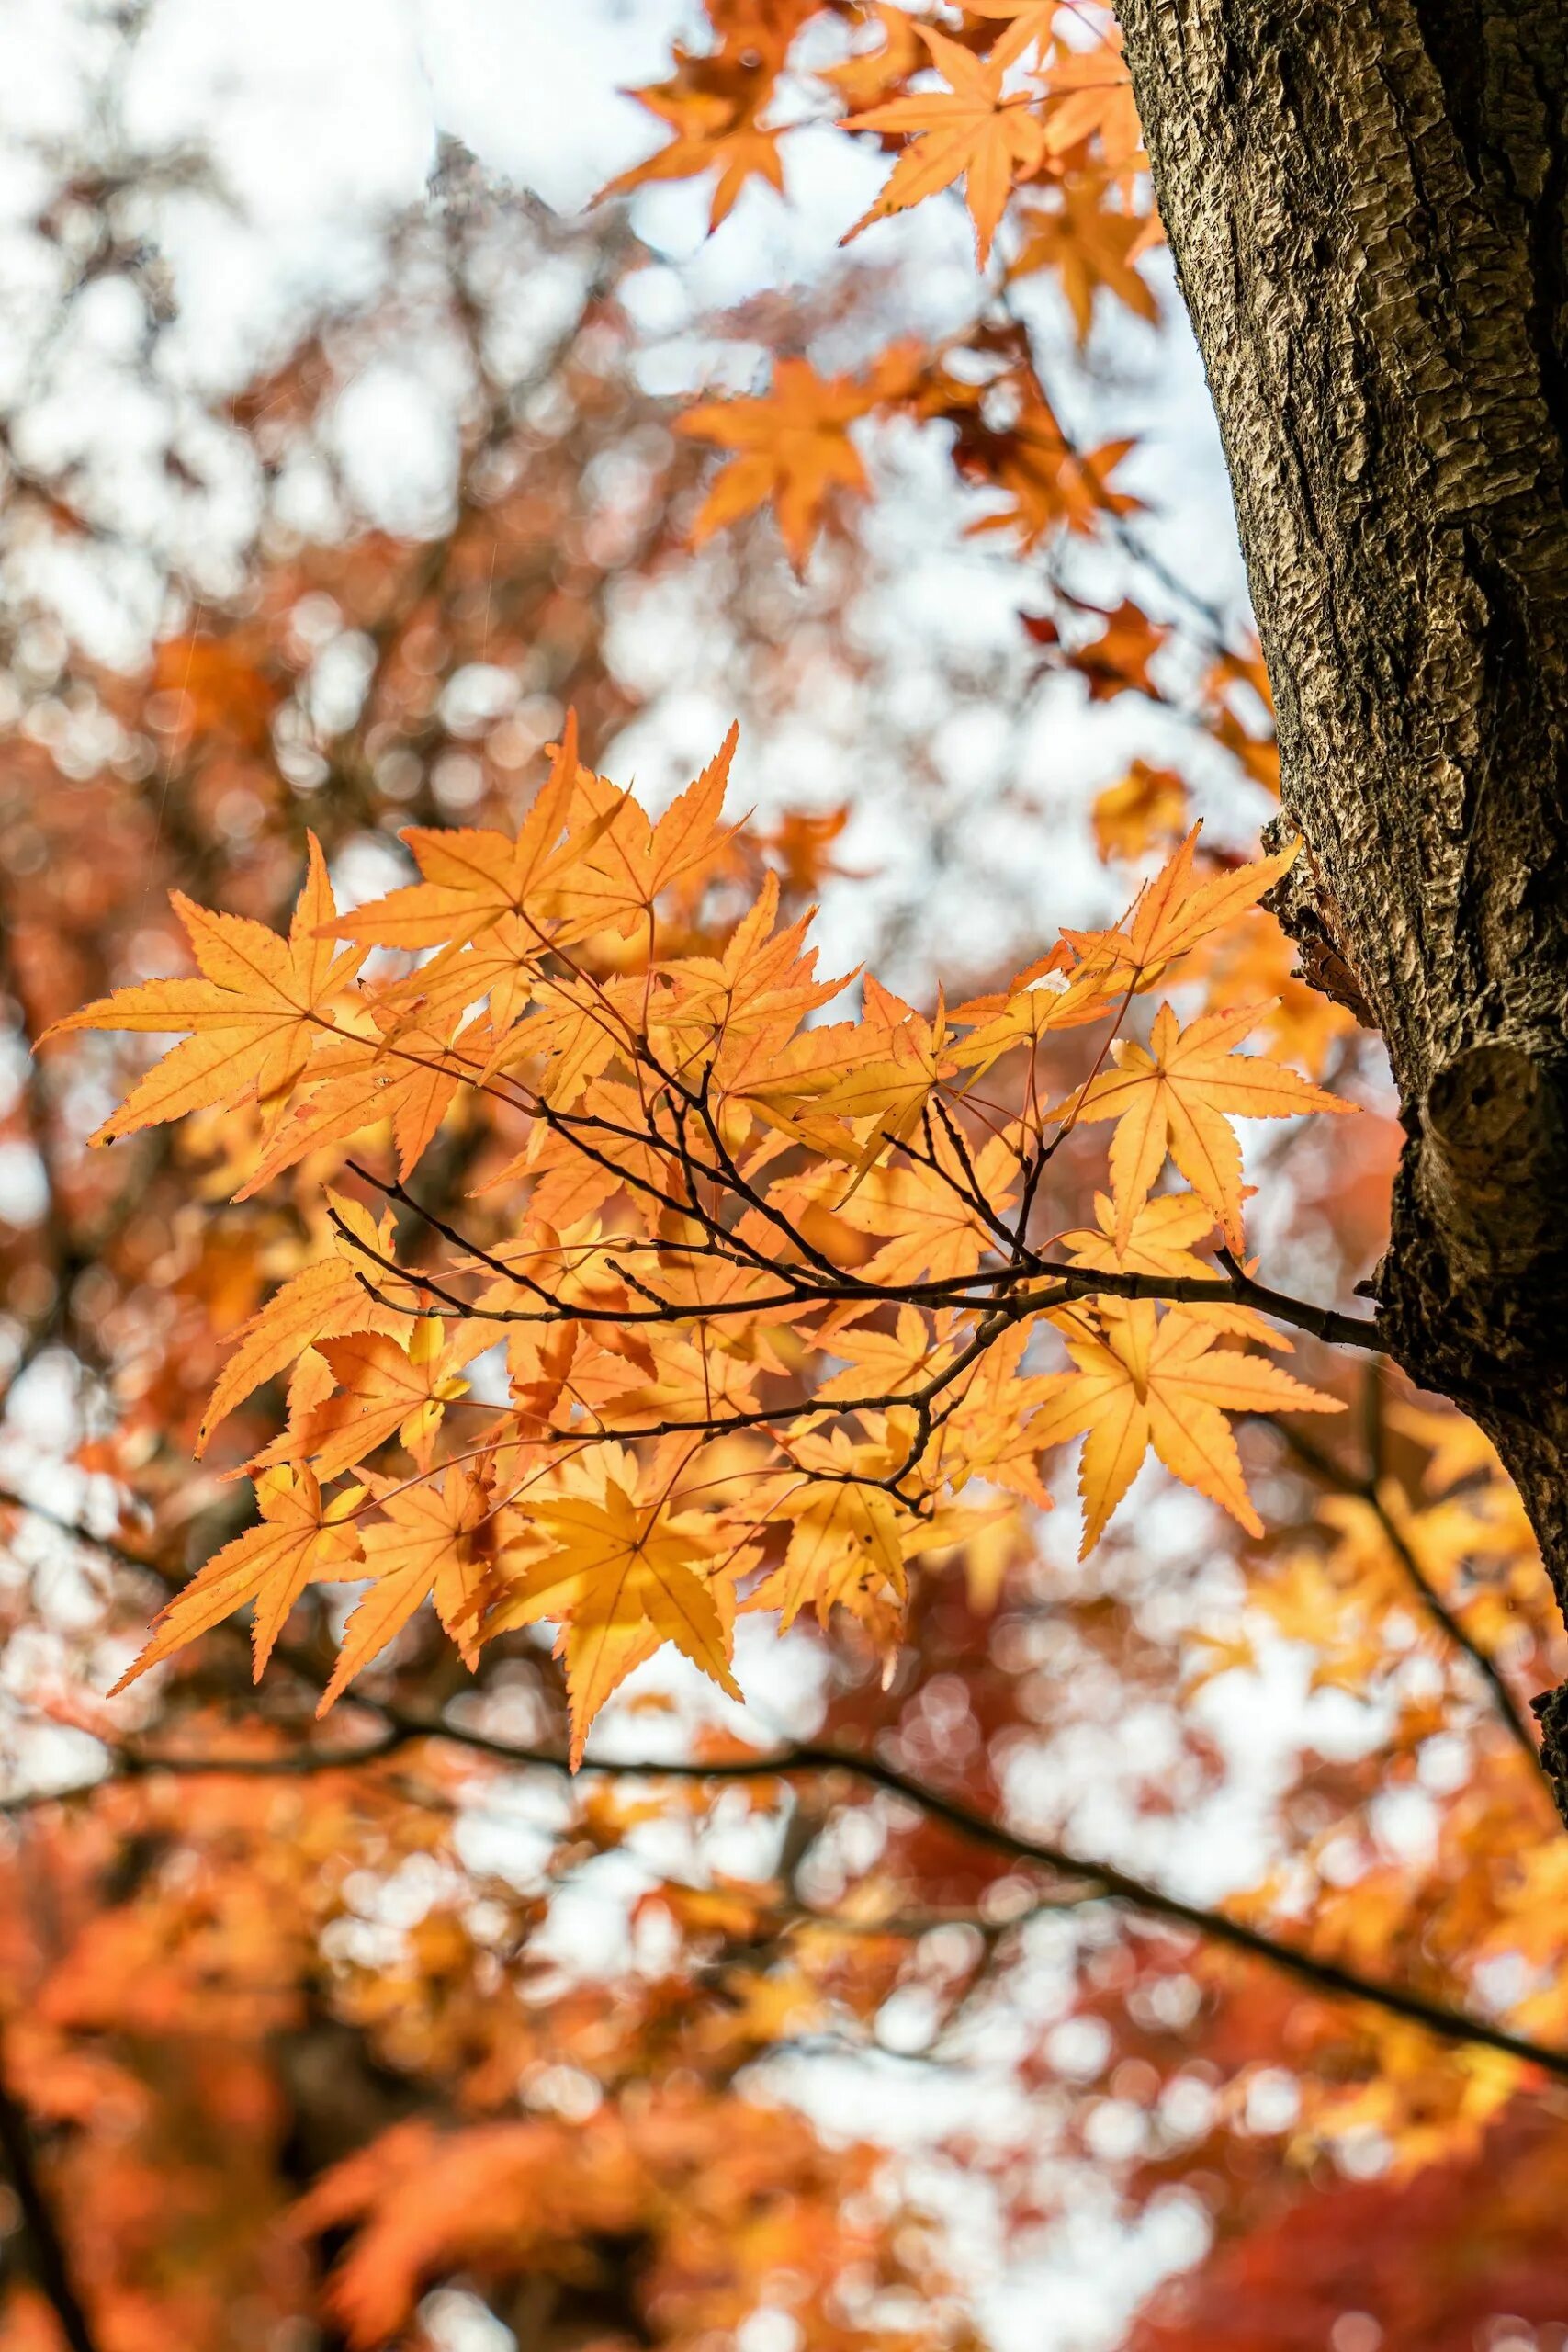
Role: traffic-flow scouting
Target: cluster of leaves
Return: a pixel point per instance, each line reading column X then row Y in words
column 1067, row 135
column 827, row 1228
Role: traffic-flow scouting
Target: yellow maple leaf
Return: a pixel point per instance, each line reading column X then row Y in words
column 1160, row 1380
column 1221, row 1653
column 1159, row 1242
column 433, row 1544
column 1456, row 1448
column 847, row 1543
column 300, row 1540
column 1179, row 1096
column 1047, row 995
column 630, row 862
column 892, row 1090
column 626, row 1573
column 256, row 1014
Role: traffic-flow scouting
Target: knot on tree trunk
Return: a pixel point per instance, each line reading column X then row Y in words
column 1497, row 1122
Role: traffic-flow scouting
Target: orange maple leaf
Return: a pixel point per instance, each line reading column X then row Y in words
column 433, row 1544
column 1047, row 480
column 1090, row 95
column 711, row 107
column 325, row 1300
column 221, row 686
column 867, row 76
column 382, row 1388
column 1117, row 661
column 970, row 128
column 471, row 879
column 1145, row 806
column 792, row 445
column 1091, row 249
column 1031, row 24
column 1171, row 913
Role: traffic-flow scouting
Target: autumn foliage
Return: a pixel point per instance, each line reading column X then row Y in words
column 531, row 1265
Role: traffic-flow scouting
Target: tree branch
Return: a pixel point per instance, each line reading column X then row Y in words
column 49, row 2262
column 1365, row 1490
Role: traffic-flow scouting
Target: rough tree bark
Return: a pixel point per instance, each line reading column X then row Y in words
column 1368, row 202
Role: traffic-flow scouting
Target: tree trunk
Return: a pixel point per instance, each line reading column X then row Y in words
column 1368, row 202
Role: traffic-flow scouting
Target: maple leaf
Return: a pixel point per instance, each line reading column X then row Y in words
column 1172, row 912
column 1147, row 806
column 1092, row 251
column 868, row 76
column 325, row 1300
column 1046, row 995
column 986, row 1431
column 433, row 1544
column 927, row 1227
column 1090, row 94
column 791, row 446
column 1221, row 1653
column 893, row 1091
column 1257, row 963
column 222, row 686
column 1179, row 1096
column 408, row 1075
column 300, row 1540
column 734, row 1014
column 882, row 1363
column 711, row 107
column 1117, row 662
column 471, row 879
column 970, row 128
column 1159, row 1241
column 846, row 1548
column 1160, row 1380
column 625, row 1572
column 801, row 843
column 256, row 1014
column 383, row 1388
column 1048, row 482
column 630, row 864
column 689, row 1381
column 1031, row 24
column 1457, row 1450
